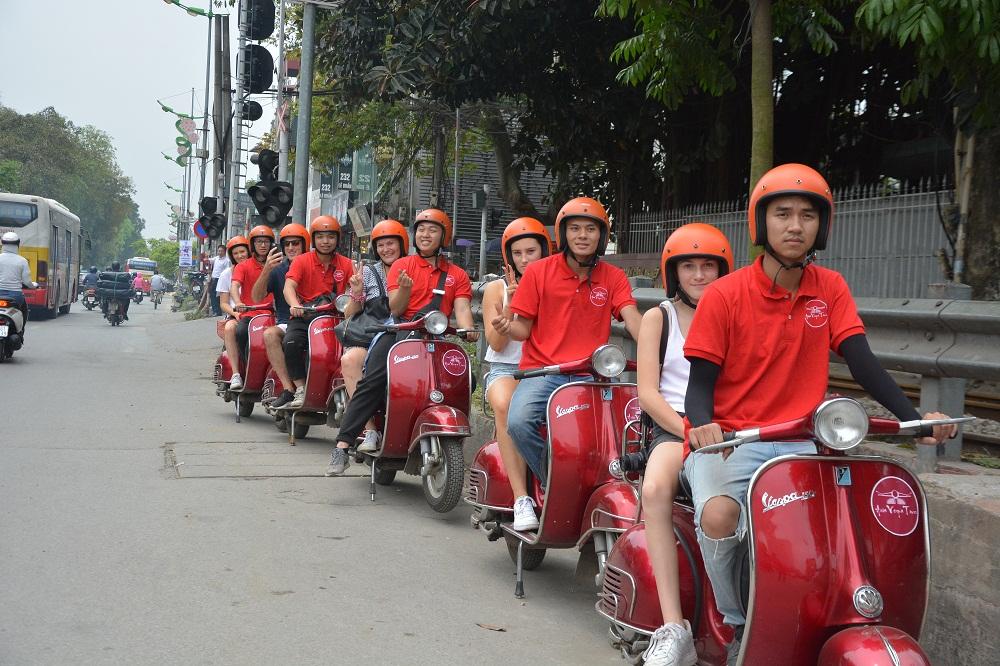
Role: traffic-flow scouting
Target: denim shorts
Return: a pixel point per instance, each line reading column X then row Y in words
column 498, row 370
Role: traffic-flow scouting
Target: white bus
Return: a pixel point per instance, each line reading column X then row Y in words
column 50, row 241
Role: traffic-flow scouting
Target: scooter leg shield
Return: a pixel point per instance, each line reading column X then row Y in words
column 872, row 645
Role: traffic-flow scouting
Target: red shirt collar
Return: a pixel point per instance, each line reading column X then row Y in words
column 807, row 285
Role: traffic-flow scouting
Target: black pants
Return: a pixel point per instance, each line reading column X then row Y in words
column 213, row 296
column 243, row 338
column 296, row 346
column 369, row 396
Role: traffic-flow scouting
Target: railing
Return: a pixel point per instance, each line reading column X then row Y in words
column 947, row 342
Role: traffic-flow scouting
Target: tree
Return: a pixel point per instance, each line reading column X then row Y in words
column 165, row 253
column 10, row 175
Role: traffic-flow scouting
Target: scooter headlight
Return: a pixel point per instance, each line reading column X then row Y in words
column 435, row 322
column 342, row 302
column 608, row 361
column 840, row 423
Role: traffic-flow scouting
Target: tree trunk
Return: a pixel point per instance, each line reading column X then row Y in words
column 437, row 175
column 982, row 233
column 510, row 177
column 761, row 91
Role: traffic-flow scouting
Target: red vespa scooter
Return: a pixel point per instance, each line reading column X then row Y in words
column 326, row 393
column 584, row 505
column 253, row 370
column 427, row 411
column 837, row 566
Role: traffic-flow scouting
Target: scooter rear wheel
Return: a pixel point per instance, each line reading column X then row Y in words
column 246, row 408
column 531, row 559
column 301, row 430
column 443, row 486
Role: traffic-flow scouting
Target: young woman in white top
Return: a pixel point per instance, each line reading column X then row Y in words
column 694, row 256
column 524, row 240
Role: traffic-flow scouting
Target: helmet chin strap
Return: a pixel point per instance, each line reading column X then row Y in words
column 685, row 299
column 809, row 258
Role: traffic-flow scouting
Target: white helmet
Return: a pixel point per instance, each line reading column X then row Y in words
column 10, row 238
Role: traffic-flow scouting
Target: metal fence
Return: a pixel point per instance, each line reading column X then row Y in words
column 885, row 243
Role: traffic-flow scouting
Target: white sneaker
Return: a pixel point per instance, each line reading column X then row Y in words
column 298, row 399
column 236, row 383
column 524, row 514
column 370, row 442
column 671, row 645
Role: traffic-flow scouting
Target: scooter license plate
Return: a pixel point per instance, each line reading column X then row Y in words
column 3, row 331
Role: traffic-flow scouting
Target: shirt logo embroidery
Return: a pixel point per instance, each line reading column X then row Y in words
column 338, row 276
column 449, row 281
column 817, row 313
column 599, row 296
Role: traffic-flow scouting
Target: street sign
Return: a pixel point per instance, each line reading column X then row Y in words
column 360, row 220
column 363, row 168
column 198, row 230
column 184, row 254
column 325, row 185
column 345, row 168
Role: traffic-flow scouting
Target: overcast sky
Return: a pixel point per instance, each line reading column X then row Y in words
column 105, row 63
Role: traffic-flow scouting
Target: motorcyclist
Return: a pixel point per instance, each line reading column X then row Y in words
column 90, row 279
column 116, row 267
column 138, row 283
column 15, row 273
column 759, row 348
column 244, row 276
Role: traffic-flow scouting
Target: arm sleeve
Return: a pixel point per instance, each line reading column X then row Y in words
column 699, row 401
column 873, row 378
column 463, row 286
column 26, row 275
column 622, row 296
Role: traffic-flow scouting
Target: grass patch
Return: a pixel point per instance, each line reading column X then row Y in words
column 982, row 460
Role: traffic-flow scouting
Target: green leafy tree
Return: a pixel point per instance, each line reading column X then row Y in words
column 10, row 175
column 165, row 253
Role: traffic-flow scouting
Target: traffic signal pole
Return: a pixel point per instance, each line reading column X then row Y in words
column 204, row 121
column 305, row 115
column 282, row 116
column 234, row 180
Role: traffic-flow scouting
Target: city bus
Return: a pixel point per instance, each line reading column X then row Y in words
column 144, row 266
column 50, row 241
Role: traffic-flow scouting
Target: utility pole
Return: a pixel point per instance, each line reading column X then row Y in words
column 204, row 120
column 482, row 233
column 454, row 190
column 218, row 112
column 282, row 116
column 241, row 65
column 305, row 115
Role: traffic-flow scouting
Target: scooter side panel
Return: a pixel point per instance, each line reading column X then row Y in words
column 257, row 363
column 612, row 507
column 814, row 538
column 324, row 362
column 223, row 370
column 488, row 481
column 585, row 424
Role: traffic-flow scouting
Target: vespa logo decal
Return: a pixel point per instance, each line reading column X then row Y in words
column 770, row 502
column 322, row 329
column 633, row 412
column 817, row 313
column 454, row 362
column 599, row 297
column 396, row 360
column 563, row 411
column 895, row 507
column 254, row 329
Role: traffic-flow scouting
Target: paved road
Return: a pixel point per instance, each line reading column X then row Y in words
column 111, row 554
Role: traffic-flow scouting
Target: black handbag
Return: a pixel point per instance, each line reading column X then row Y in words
column 353, row 332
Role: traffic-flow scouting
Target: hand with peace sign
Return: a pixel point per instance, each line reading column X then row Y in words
column 356, row 282
column 510, row 277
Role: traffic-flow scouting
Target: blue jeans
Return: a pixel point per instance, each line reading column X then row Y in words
column 711, row 476
column 527, row 413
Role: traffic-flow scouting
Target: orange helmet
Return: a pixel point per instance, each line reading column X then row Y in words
column 588, row 208
column 391, row 229
column 524, row 227
column 690, row 241
column 294, row 230
column 438, row 217
column 234, row 243
column 324, row 223
column 261, row 231
column 786, row 180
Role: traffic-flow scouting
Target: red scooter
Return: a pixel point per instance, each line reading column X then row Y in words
column 836, row 571
column 584, row 505
column 253, row 370
column 427, row 411
column 326, row 393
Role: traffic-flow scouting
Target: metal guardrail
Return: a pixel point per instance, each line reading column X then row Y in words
column 947, row 342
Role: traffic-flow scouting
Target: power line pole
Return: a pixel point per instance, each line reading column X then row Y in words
column 303, row 133
column 241, row 65
column 204, row 121
column 282, row 116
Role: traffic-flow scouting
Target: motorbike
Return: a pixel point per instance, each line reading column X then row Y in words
column 11, row 328
column 116, row 312
column 253, row 369
column 584, row 505
column 197, row 281
column 326, row 393
column 137, row 296
column 90, row 298
column 425, row 419
column 836, row 569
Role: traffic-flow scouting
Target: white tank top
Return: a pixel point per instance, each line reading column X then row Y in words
column 512, row 352
column 676, row 369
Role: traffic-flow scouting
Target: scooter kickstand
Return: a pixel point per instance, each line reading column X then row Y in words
column 291, row 430
column 373, row 480
column 519, row 581
column 237, row 407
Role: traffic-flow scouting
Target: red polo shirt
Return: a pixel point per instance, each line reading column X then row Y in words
column 246, row 273
column 572, row 317
column 312, row 279
column 774, row 350
column 425, row 278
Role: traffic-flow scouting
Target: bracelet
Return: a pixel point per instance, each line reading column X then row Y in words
column 358, row 299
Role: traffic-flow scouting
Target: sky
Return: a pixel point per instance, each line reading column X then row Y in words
column 105, row 63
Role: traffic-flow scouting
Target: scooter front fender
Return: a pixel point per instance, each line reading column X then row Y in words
column 872, row 645
column 489, row 485
column 441, row 421
column 612, row 508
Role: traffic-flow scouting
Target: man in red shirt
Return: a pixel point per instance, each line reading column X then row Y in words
column 562, row 309
column 314, row 278
column 759, row 349
column 240, row 292
column 412, row 284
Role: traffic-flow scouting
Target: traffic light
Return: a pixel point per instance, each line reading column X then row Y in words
column 260, row 19
column 267, row 161
column 213, row 218
column 258, row 69
column 273, row 200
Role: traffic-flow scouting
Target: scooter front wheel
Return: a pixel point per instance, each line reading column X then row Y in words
column 246, row 407
column 443, row 484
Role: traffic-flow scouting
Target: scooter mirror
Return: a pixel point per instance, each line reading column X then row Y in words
column 342, row 302
column 436, row 322
column 840, row 423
